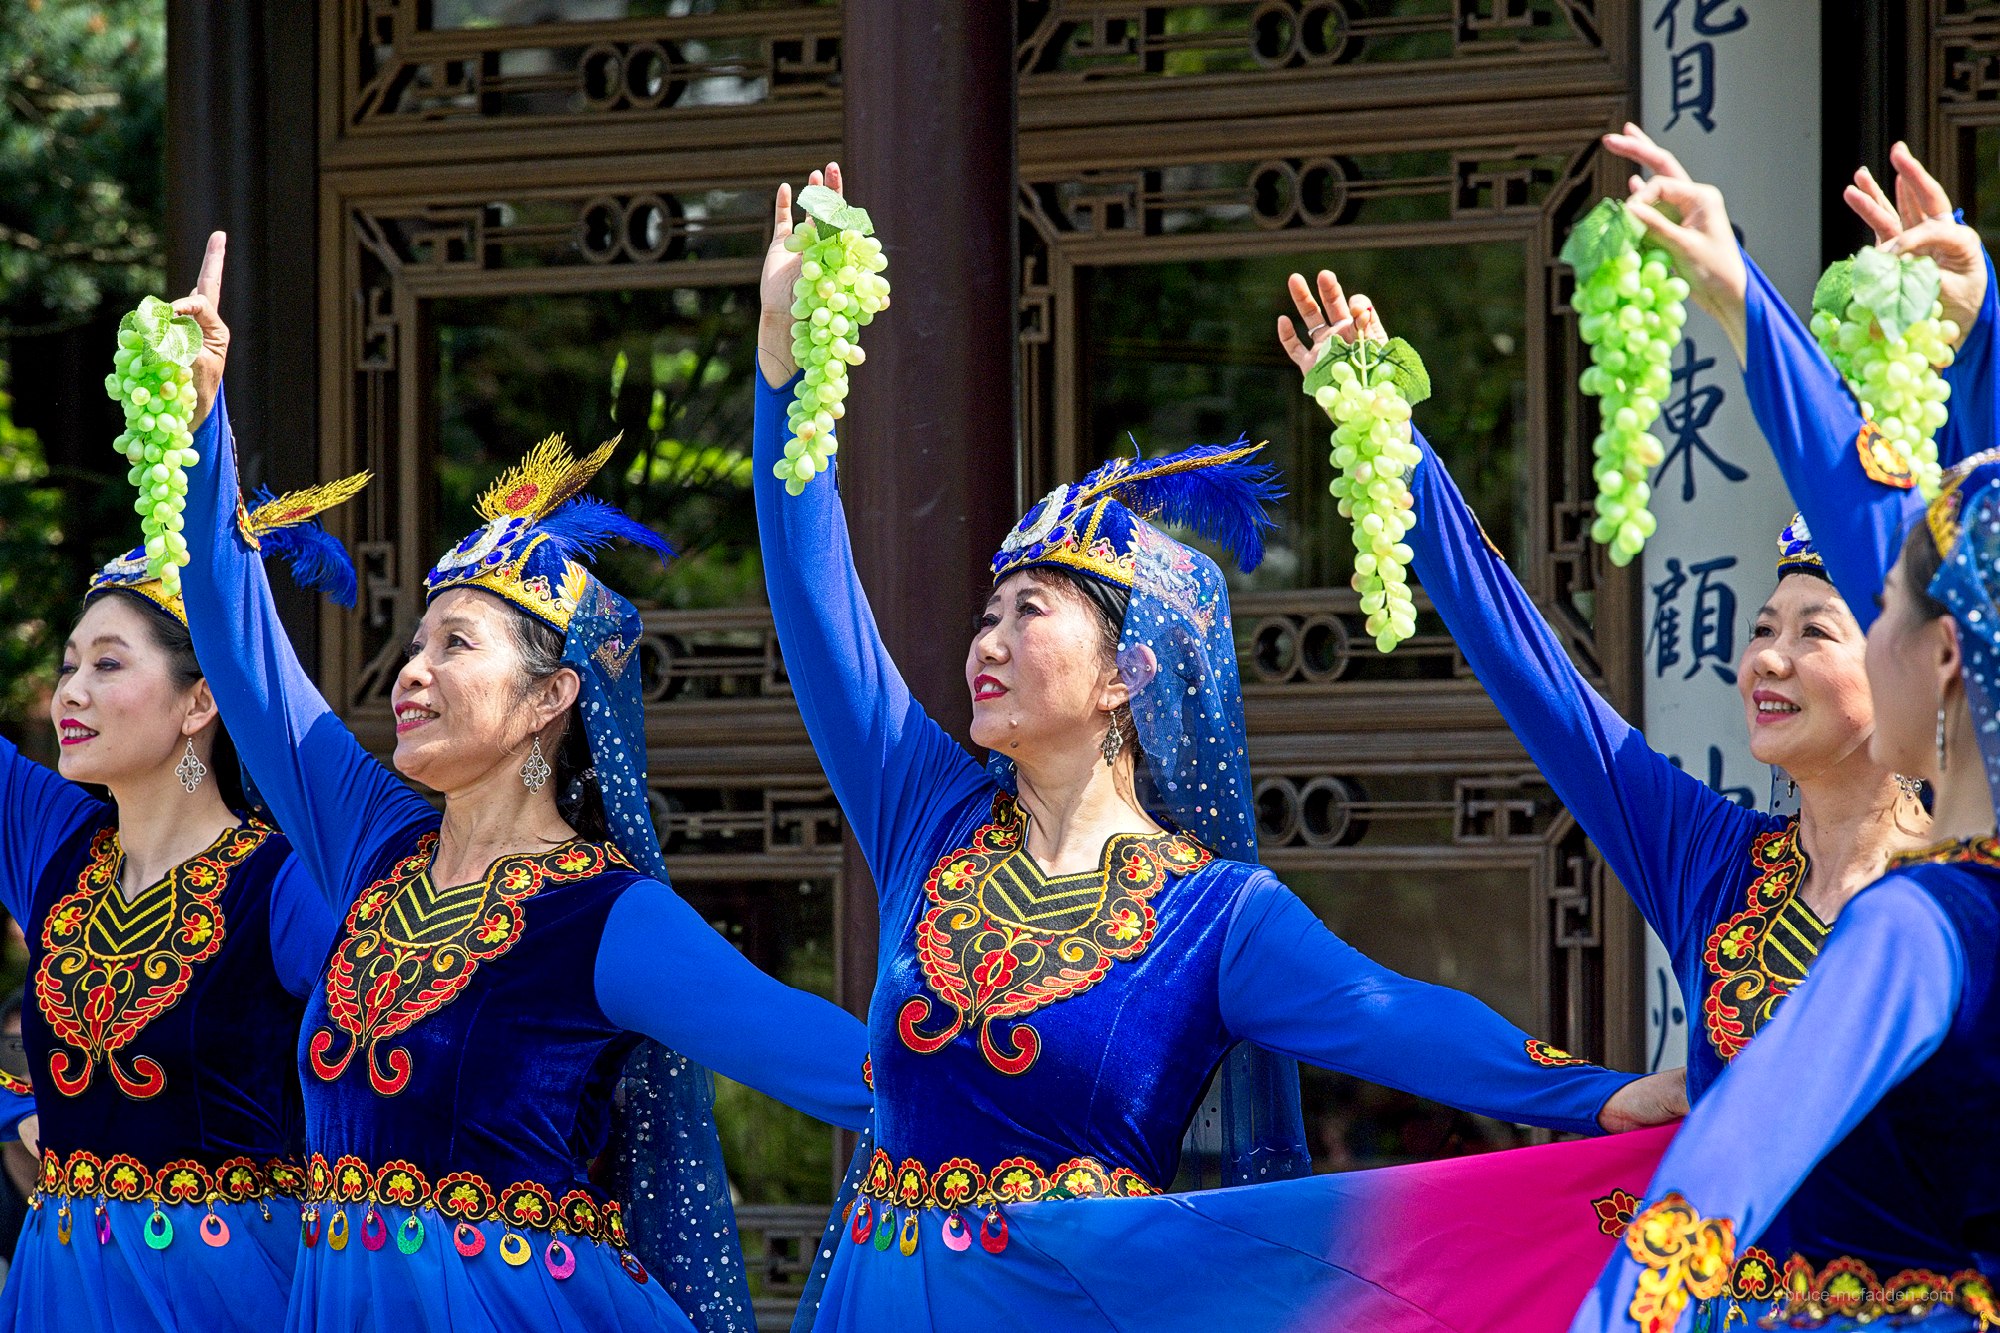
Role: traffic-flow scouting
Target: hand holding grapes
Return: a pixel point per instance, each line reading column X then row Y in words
column 774, row 289
column 204, row 306
column 1702, row 244
column 1920, row 222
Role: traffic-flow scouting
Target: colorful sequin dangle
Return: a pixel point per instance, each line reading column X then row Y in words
column 468, row 1239
column 956, row 1235
column 993, row 1241
column 514, row 1249
column 863, row 1223
column 103, row 1225
column 410, row 1235
column 907, row 1241
column 374, row 1231
column 561, row 1260
column 633, row 1268
column 336, row 1230
column 309, row 1226
column 885, row 1230
column 214, row 1231
column 159, row 1230
column 63, row 1224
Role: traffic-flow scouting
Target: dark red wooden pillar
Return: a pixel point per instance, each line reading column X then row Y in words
column 927, row 449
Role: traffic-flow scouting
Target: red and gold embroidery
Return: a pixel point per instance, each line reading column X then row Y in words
column 1552, row 1057
column 110, row 967
column 1615, row 1212
column 409, row 948
column 1001, row 940
column 1882, row 460
column 1759, row 955
column 1974, row 851
column 15, row 1084
column 960, row 1183
column 465, row 1196
column 84, row 1175
column 1686, row 1256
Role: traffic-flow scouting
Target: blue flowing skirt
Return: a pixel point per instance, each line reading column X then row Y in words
column 432, row 1287
column 121, row 1284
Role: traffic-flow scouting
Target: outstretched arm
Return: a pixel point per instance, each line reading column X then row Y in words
column 1660, row 829
column 337, row 805
column 1292, row 986
column 664, row 971
column 893, row 769
column 39, row 810
column 1883, row 993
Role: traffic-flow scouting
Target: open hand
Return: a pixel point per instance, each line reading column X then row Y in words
column 781, row 272
column 1702, row 243
column 1656, row 1099
column 204, row 304
column 1920, row 222
column 1332, row 315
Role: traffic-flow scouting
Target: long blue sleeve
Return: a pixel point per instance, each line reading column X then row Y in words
column 14, row 1108
column 303, row 924
column 1883, row 994
column 1974, row 423
column 1813, row 424
column 39, row 811
column 1291, row 985
column 337, row 805
column 896, row 773
column 664, row 971
column 1663, row 832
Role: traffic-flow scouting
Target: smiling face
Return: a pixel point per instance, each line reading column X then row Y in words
column 121, row 712
column 1803, row 679
column 1039, row 669
column 464, row 702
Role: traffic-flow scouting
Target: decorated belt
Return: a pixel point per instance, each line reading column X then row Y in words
column 961, row 1184
column 86, row 1176
column 463, row 1199
column 1688, row 1257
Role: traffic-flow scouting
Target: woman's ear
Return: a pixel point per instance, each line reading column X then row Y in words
column 201, row 708
column 1950, row 657
column 556, row 694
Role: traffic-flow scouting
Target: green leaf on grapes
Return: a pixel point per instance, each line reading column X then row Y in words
column 1321, row 374
column 171, row 337
column 1835, row 289
column 1605, row 232
column 829, row 208
column 1406, row 370
column 1898, row 290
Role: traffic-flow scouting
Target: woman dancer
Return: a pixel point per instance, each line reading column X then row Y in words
column 1743, row 900
column 1069, row 947
column 1882, row 1188
column 172, row 940
column 497, row 963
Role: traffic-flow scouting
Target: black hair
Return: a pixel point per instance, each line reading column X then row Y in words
column 579, row 799
column 171, row 637
column 1921, row 560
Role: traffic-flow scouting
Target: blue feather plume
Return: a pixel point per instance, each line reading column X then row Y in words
column 315, row 556
column 586, row 525
column 1217, row 491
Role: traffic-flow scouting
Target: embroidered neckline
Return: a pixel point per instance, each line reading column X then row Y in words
column 1981, row 851
column 110, row 967
column 1761, row 953
column 409, row 947
column 1002, row 940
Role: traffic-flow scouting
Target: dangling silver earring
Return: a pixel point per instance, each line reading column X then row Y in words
column 1940, row 742
column 1912, row 787
column 535, row 773
column 190, row 770
column 1113, row 743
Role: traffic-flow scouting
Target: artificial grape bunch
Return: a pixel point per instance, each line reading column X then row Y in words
column 1368, row 389
column 1631, row 307
column 1880, row 322
column 152, row 378
column 840, row 289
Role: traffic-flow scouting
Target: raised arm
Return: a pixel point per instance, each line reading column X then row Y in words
column 39, row 811
column 1883, row 993
column 664, row 971
column 1659, row 828
column 1974, row 405
column 893, row 769
column 303, row 925
column 337, row 805
column 1290, row 985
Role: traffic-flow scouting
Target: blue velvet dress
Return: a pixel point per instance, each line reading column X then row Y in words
column 159, row 1035
column 460, row 1050
column 1039, row 1043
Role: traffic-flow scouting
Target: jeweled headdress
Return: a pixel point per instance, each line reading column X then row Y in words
column 539, row 533
column 1796, row 553
column 281, row 525
column 1964, row 521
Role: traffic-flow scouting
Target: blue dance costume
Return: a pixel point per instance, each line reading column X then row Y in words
column 460, row 1051
column 1048, row 1038
column 159, row 1034
column 1881, row 1194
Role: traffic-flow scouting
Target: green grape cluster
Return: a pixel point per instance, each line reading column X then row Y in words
column 1631, row 307
column 1368, row 389
column 152, row 378
column 840, row 289
column 1884, row 329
